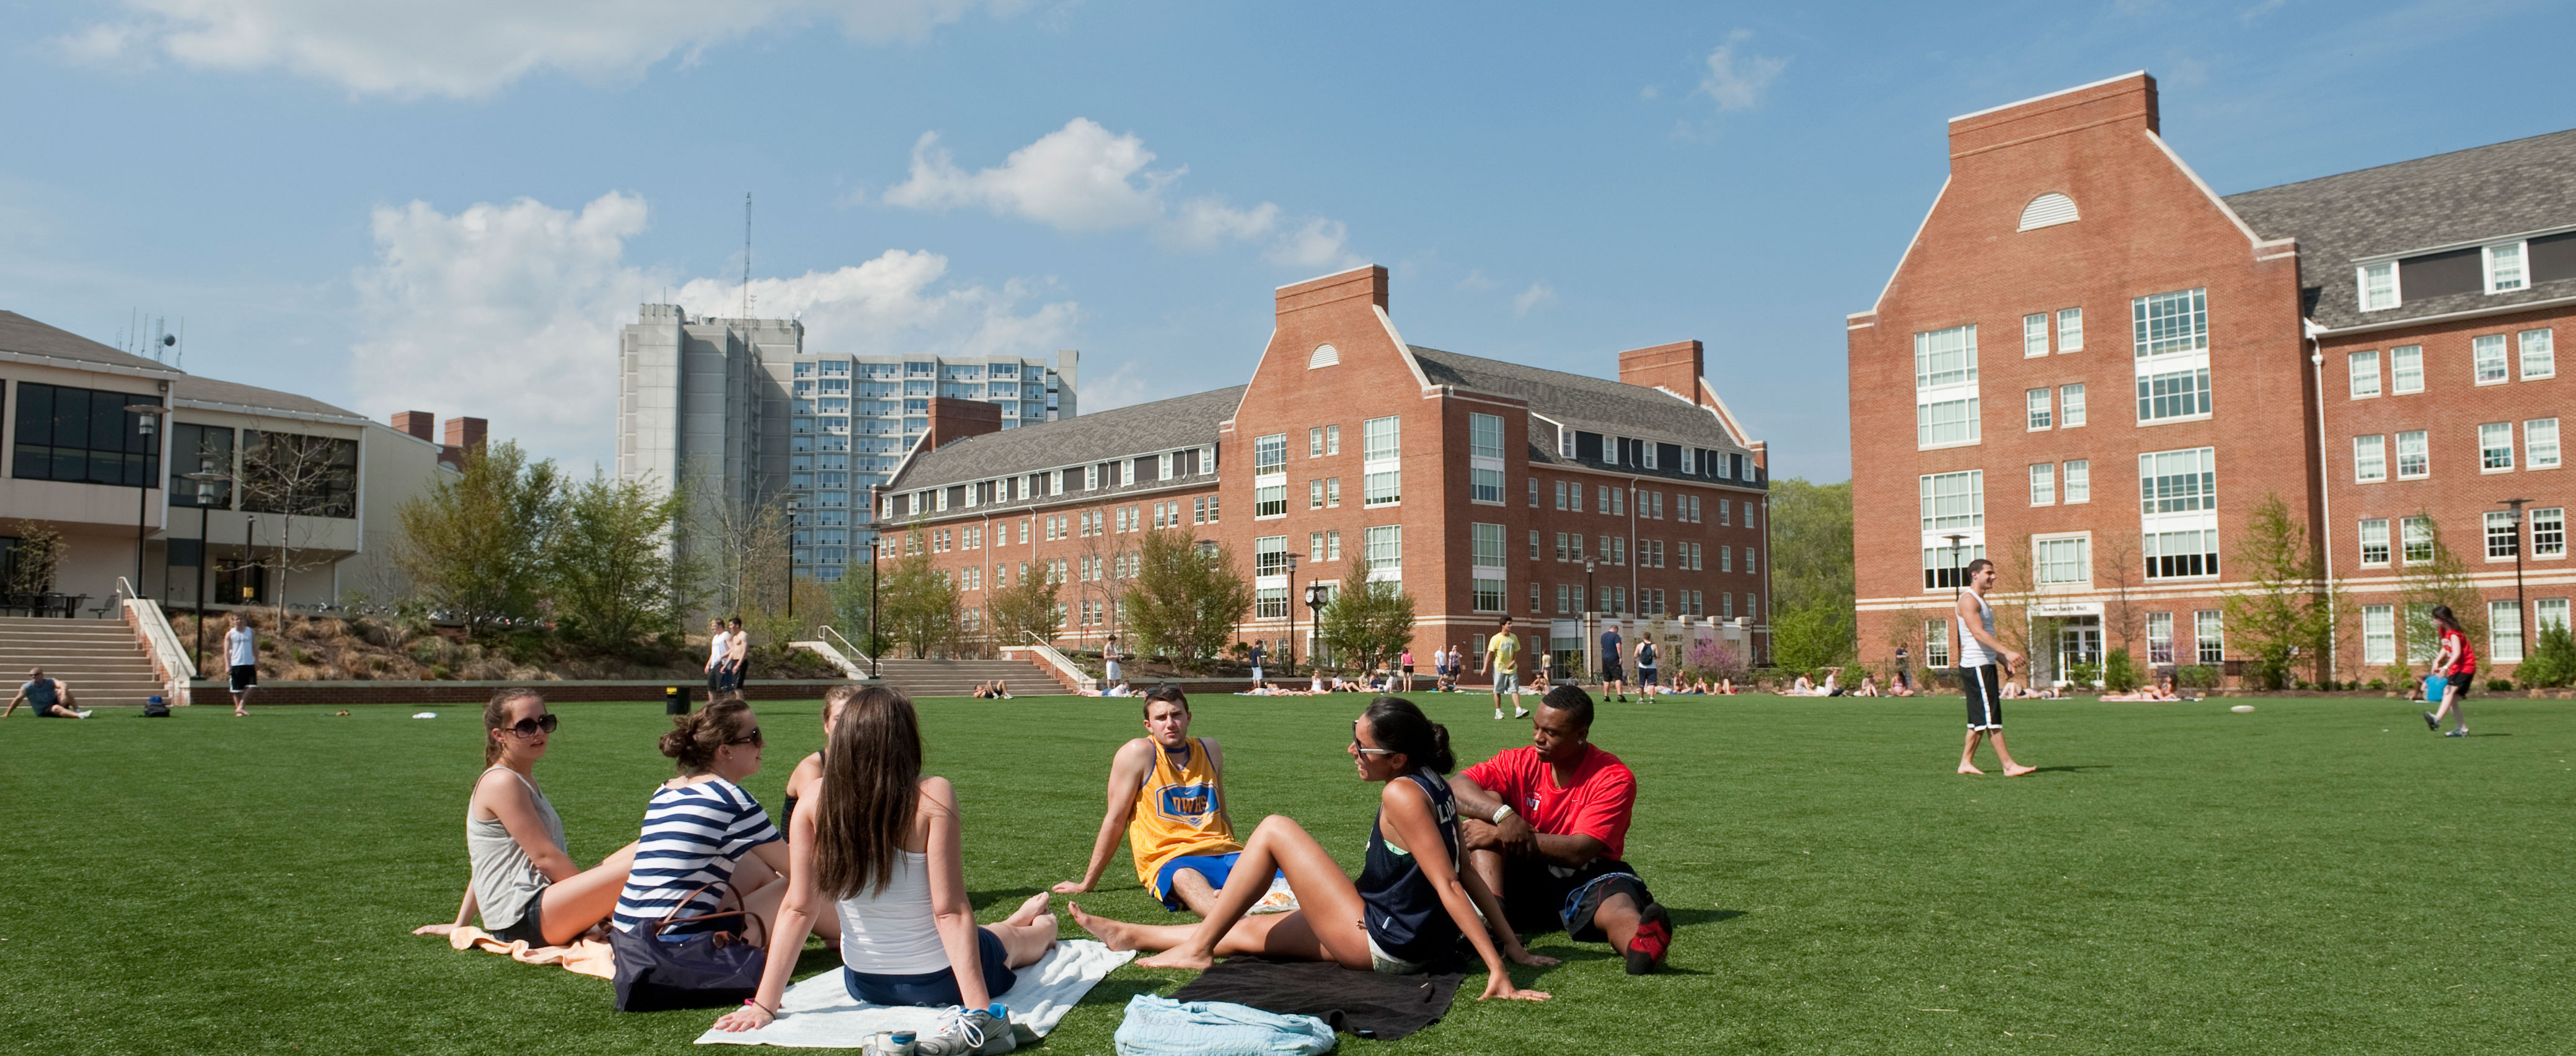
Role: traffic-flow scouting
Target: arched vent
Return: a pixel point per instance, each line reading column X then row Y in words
column 2048, row 210
column 1325, row 356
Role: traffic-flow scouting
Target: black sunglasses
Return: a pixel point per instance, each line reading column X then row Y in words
column 753, row 739
column 531, row 727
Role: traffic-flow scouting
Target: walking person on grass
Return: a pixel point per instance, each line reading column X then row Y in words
column 241, row 654
column 1502, row 658
column 2456, row 664
column 1984, row 662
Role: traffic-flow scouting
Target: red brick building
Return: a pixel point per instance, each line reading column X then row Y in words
column 2162, row 359
column 1483, row 487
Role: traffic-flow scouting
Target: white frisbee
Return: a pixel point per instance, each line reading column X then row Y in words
column 2242, row 708
column 433, row 714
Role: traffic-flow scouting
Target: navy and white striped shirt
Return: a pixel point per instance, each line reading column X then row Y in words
column 693, row 835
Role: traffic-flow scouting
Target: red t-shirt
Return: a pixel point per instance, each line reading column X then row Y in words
column 2466, row 663
column 1597, row 804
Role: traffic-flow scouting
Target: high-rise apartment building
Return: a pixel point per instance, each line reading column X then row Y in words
column 2373, row 350
column 742, row 413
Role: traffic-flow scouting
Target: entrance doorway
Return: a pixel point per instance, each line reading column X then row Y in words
column 2079, row 641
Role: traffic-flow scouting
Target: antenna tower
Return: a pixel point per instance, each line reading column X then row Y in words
column 746, row 255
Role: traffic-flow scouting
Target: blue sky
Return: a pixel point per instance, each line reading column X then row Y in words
column 454, row 210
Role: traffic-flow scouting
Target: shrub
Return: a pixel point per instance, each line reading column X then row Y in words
column 2499, row 685
column 2197, row 676
column 2083, row 674
column 2553, row 659
column 2119, row 673
column 2379, row 685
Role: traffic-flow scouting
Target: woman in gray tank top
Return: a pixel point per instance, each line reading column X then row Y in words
column 525, row 884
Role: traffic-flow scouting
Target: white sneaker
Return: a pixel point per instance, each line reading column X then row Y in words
column 1498, row 713
column 1518, row 712
column 82, row 714
column 961, row 1032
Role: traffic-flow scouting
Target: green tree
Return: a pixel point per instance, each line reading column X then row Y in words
column 611, row 570
column 2282, row 611
column 1812, row 638
column 919, row 605
column 2552, row 661
column 1811, row 545
column 1367, row 621
column 1026, row 609
column 2442, row 580
column 1186, row 598
column 473, row 545
column 30, row 563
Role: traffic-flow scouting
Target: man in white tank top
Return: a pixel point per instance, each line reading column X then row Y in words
column 1984, row 662
column 719, row 647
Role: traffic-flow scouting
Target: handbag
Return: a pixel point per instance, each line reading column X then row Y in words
column 706, row 969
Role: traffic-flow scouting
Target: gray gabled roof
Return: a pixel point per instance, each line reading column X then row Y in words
column 28, row 337
column 1592, row 405
column 2464, row 196
column 251, row 399
column 1101, row 436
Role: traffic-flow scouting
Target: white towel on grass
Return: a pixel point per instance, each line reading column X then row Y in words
column 819, row 1013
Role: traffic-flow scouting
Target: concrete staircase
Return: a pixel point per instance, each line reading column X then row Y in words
column 100, row 659
column 957, row 678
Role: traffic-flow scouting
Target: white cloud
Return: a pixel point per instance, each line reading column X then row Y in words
column 1738, row 83
column 1082, row 177
column 473, row 48
column 1538, row 295
column 510, row 312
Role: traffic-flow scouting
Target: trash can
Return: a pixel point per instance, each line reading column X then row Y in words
column 675, row 700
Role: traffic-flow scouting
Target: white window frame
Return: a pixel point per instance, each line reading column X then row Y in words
column 2070, row 330
column 2489, row 362
column 2039, row 408
column 2549, row 533
column 2362, row 370
column 2070, row 405
column 2379, row 635
column 2034, row 335
column 2410, row 530
column 2370, row 458
column 2504, row 643
column 2043, row 484
column 2538, row 354
column 2405, row 362
column 2511, row 278
column 2374, row 531
column 2548, row 612
column 2494, row 456
column 1926, row 378
column 2079, row 481
column 1382, row 467
column 2421, row 445
column 2543, row 451
column 2502, row 524
column 2362, row 277
column 1971, row 488
column 2044, row 562
column 2202, row 409
column 1924, row 425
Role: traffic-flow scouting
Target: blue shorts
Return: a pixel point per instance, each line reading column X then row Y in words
column 934, row 989
column 1215, row 867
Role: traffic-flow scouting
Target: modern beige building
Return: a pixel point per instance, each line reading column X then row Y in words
column 97, row 447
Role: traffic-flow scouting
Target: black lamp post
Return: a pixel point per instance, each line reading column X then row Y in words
column 873, row 581
column 1954, row 567
column 147, row 421
column 205, row 481
column 1591, row 594
column 2520, row 607
column 1316, row 599
column 1287, row 602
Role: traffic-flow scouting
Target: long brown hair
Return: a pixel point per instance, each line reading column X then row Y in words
column 871, row 788
column 496, row 715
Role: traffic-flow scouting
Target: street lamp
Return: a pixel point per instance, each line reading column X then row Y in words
column 1317, row 596
column 147, row 421
column 875, row 644
column 1591, row 594
column 206, row 481
column 2520, row 612
column 1284, row 600
column 1954, row 568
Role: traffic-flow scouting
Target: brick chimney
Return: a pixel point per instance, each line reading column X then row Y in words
column 421, row 424
column 463, row 433
column 1676, row 366
column 953, row 419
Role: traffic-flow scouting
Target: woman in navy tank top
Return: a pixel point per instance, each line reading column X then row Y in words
column 1410, row 905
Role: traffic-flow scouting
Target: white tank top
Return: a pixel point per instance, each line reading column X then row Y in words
column 1971, row 651
column 718, row 646
column 892, row 932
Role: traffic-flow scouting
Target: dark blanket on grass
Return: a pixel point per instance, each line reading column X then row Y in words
column 1388, row 1006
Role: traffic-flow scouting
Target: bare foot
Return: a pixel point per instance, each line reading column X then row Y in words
column 1118, row 935
column 2017, row 770
column 1176, row 958
column 1968, row 769
column 1029, row 911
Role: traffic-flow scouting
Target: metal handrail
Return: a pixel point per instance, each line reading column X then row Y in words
column 1062, row 664
column 170, row 659
column 846, row 648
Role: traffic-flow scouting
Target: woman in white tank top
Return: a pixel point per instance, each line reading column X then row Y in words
column 881, row 845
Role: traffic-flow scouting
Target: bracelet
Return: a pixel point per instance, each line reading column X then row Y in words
column 1502, row 812
column 755, row 1003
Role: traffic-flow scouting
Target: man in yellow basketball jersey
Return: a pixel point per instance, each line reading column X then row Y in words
column 1168, row 789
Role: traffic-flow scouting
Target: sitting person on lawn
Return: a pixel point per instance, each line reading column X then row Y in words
column 50, row 698
column 700, row 826
column 1406, row 912
column 884, row 845
column 524, row 885
column 1167, row 789
column 1545, row 826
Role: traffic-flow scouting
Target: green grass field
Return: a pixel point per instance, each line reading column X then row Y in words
column 2317, row 876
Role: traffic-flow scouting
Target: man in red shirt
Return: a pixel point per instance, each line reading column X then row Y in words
column 1545, row 827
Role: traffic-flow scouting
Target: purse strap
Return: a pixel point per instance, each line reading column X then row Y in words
column 654, row 927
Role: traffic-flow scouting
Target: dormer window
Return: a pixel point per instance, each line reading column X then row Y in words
column 2504, row 268
column 2379, row 286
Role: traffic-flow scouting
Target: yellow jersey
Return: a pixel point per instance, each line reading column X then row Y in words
column 1177, row 813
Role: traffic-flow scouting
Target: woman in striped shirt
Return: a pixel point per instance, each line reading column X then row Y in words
column 699, row 826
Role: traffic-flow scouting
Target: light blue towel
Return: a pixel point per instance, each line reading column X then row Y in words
column 1160, row 1026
